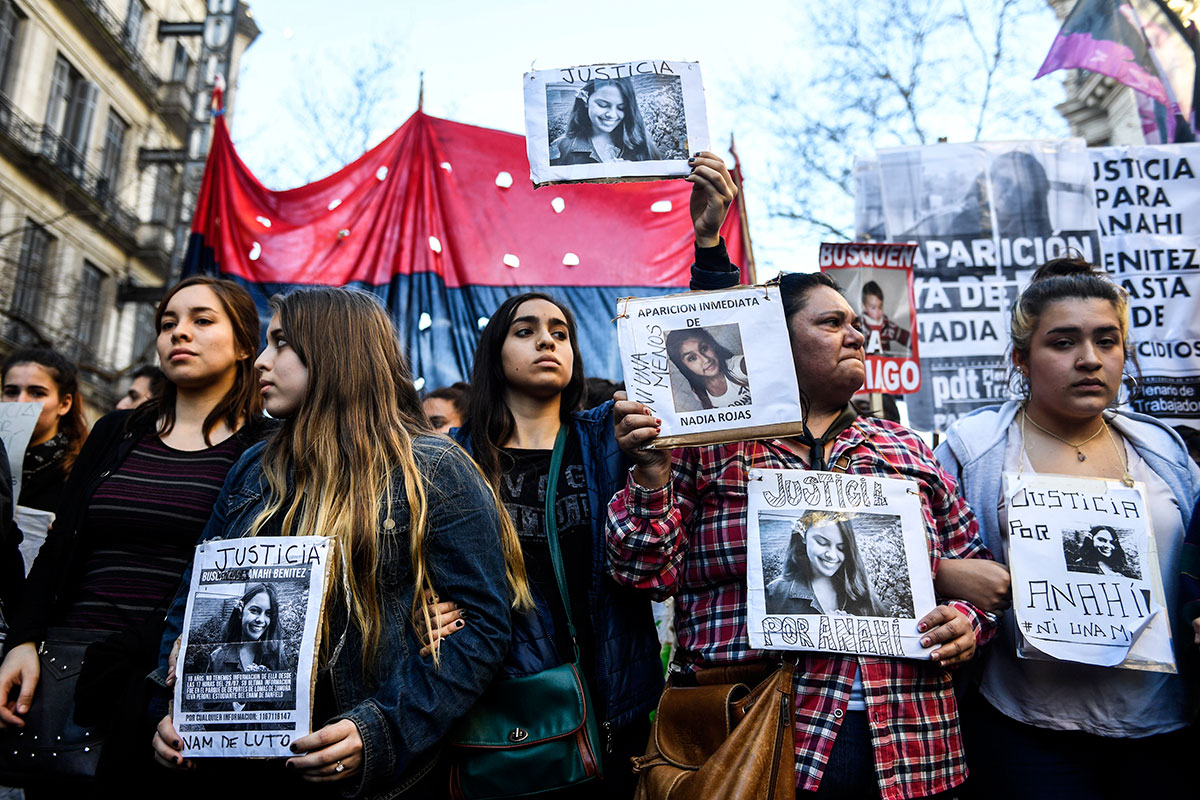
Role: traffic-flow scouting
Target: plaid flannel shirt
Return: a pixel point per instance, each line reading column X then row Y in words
column 688, row 540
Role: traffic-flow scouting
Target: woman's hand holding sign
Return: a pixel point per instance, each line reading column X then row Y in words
column 635, row 425
column 713, row 191
column 950, row 631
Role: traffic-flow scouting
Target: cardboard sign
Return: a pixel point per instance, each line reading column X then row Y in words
column 878, row 281
column 639, row 120
column 714, row 366
column 836, row 563
column 250, row 635
column 17, row 421
column 1085, row 577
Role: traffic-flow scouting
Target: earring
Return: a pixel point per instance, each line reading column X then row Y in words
column 1131, row 389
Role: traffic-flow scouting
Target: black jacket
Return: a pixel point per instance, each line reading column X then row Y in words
column 12, row 566
column 63, row 558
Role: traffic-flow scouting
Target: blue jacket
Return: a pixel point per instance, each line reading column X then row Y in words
column 407, row 704
column 628, row 667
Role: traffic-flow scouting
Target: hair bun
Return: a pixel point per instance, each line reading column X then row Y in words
column 1066, row 268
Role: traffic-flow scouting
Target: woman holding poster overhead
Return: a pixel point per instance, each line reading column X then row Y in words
column 678, row 528
column 1040, row 727
column 356, row 460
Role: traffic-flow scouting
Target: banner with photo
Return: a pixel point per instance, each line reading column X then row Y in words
column 878, row 281
column 250, row 634
column 983, row 215
column 1085, row 575
column 713, row 366
column 1148, row 201
column 836, row 563
column 638, row 120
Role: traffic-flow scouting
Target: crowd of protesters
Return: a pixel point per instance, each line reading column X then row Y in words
column 497, row 529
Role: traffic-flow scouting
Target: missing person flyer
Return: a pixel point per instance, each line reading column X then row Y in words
column 714, row 366
column 247, row 659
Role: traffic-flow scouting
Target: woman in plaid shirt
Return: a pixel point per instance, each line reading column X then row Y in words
column 865, row 726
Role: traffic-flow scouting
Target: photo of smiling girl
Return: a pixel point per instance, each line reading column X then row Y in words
column 605, row 125
column 716, row 374
column 823, row 573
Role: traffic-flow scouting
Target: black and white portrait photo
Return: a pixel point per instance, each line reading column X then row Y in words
column 613, row 121
column 835, row 562
column 708, row 368
column 1102, row 550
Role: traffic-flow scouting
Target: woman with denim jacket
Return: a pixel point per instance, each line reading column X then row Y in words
column 412, row 517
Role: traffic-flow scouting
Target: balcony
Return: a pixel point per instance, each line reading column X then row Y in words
column 175, row 107
column 106, row 32
column 57, row 163
column 156, row 246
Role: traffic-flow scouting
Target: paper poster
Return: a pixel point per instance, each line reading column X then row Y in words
column 1148, row 200
column 877, row 280
column 17, row 421
column 837, row 563
column 34, row 524
column 250, row 636
column 637, row 120
column 1085, row 578
column 713, row 366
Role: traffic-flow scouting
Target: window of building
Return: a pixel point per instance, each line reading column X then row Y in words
column 10, row 25
column 32, row 279
column 69, row 116
column 110, row 158
column 181, row 65
column 90, row 323
column 144, row 333
column 131, row 34
column 166, row 183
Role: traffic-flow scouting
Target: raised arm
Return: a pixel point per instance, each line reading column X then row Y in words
column 713, row 191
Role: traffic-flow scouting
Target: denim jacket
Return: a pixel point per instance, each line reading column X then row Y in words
column 628, row 667
column 406, row 705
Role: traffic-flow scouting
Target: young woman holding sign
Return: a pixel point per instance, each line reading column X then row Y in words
column 356, row 460
column 678, row 528
column 1041, row 727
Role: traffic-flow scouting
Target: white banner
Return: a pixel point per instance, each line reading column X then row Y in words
column 836, row 563
column 250, row 634
column 17, row 421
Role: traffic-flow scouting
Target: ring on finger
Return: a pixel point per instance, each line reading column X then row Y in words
column 340, row 767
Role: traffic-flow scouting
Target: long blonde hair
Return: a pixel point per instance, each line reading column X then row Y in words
column 344, row 446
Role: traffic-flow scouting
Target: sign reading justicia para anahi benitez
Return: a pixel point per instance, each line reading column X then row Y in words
column 836, row 563
column 1085, row 576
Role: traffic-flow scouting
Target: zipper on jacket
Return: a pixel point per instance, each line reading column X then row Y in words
column 607, row 737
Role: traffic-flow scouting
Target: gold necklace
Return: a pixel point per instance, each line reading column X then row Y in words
column 1078, row 452
column 1126, row 478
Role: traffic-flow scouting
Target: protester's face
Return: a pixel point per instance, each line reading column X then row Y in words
column 30, row 382
column 138, row 393
column 827, row 348
column 256, row 617
column 698, row 356
column 826, row 549
column 1075, row 359
column 196, row 343
column 606, row 109
column 282, row 376
column 442, row 414
column 1103, row 542
column 536, row 355
column 872, row 306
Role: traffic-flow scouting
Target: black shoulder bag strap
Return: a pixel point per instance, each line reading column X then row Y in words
column 560, row 445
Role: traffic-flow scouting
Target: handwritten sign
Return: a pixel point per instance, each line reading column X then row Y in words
column 837, row 563
column 248, row 652
column 1085, row 577
column 638, row 120
column 714, row 366
column 17, row 421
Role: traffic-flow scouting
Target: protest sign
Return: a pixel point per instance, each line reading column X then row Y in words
column 877, row 280
column 17, row 421
column 837, row 563
column 983, row 216
column 34, row 524
column 638, row 120
column 250, row 635
column 714, row 366
column 1148, row 202
column 1085, row 577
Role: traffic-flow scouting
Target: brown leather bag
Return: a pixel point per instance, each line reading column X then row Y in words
column 720, row 738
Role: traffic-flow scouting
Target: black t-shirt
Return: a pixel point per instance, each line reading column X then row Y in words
column 523, row 490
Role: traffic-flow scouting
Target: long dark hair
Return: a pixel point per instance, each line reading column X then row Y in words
column 630, row 134
column 270, row 646
column 243, row 402
column 66, row 379
column 1089, row 555
column 490, row 423
column 675, row 342
column 853, row 588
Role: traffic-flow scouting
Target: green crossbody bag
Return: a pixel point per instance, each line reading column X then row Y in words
column 537, row 733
